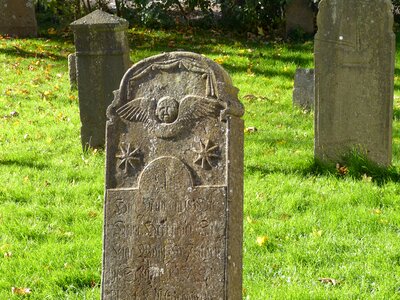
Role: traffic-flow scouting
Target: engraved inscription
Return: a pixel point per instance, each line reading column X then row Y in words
column 170, row 239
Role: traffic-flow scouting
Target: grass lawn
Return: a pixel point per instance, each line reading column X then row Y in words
column 301, row 224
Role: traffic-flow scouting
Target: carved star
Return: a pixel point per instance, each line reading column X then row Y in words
column 128, row 157
column 205, row 154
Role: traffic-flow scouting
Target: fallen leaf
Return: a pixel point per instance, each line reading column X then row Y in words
column 251, row 129
column 317, row 233
column 329, row 281
column 366, row 178
column 20, row 291
column 377, row 211
column 342, row 170
column 250, row 220
column 250, row 97
column 260, row 31
column 261, row 240
column 51, row 31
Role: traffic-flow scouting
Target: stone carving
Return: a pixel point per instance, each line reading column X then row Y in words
column 173, row 227
column 354, row 70
column 128, row 157
column 166, row 117
column 205, row 154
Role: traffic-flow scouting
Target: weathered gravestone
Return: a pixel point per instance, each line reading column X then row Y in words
column 72, row 70
column 102, row 57
column 174, row 183
column 17, row 18
column 303, row 91
column 299, row 16
column 354, row 69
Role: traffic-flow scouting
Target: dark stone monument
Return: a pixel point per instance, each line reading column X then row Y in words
column 102, row 57
column 299, row 15
column 174, row 183
column 303, row 91
column 17, row 18
column 354, row 70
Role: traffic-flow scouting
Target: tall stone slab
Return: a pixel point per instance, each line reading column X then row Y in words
column 102, row 57
column 174, row 183
column 17, row 18
column 354, row 70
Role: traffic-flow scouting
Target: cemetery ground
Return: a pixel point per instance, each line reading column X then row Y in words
column 310, row 231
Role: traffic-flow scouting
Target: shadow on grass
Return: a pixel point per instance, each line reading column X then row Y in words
column 23, row 163
column 354, row 165
column 259, row 53
column 19, row 52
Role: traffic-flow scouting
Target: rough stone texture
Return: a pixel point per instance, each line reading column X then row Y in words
column 174, row 183
column 102, row 57
column 299, row 15
column 303, row 91
column 17, row 18
column 354, row 70
column 72, row 71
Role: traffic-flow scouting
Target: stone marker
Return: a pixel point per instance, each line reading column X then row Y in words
column 102, row 57
column 72, row 70
column 174, row 183
column 299, row 15
column 17, row 18
column 303, row 91
column 354, row 70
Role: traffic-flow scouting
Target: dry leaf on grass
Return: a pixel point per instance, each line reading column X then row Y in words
column 329, row 281
column 251, row 129
column 261, row 240
column 20, row 291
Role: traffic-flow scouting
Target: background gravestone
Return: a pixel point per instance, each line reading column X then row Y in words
column 72, row 71
column 299, row 15
column 17, row 18
column 354, row 68
column 102, row 57
column 174, row 183
column 303, row 91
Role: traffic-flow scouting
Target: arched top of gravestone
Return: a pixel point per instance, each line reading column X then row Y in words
column 184, row 69
column 100, row 19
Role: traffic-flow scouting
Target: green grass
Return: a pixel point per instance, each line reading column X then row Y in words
column 316, row 222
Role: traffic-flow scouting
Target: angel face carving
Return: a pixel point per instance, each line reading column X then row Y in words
column 168, row 117
column 167, row 109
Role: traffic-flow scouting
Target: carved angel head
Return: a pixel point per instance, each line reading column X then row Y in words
column 167, row 109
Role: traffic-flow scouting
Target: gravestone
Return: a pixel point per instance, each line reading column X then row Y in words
column 174, row 183
column 17, row 18
column 354, row 69
column 72, row 71
column 299, row 15
column 303, row 91
column 102, row 57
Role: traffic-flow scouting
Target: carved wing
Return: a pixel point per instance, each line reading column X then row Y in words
column 134, row 111
column 194, row 107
